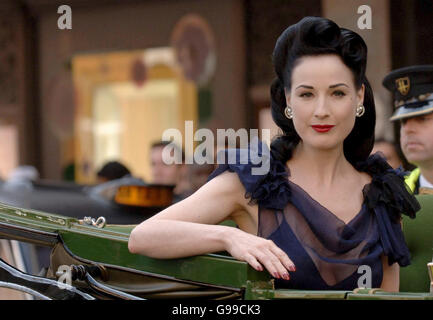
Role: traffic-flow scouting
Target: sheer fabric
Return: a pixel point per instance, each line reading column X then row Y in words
column 326, row 251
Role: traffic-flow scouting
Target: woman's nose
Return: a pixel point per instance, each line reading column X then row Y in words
column 321, row 109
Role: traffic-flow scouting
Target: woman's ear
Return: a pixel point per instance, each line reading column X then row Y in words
column 360, row 94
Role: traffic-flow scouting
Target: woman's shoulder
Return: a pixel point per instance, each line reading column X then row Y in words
column 388, row 187
column 264, row 179
column 389, row 197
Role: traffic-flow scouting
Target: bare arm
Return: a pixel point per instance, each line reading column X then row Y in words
column 391, row 276
column 188, row 228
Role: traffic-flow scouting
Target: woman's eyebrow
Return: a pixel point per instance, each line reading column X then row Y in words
column 304, row 86
column 338, row 84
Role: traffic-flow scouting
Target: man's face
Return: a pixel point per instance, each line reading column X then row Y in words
column 416, row 138
column 163, row 173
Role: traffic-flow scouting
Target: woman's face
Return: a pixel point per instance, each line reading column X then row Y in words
column 323, row 98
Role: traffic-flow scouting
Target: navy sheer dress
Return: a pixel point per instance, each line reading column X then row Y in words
column 326, row 251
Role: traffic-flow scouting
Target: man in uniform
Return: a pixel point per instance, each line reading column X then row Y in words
column 413, row 101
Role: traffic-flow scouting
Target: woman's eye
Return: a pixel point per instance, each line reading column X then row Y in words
column 306, row 95
column 339, row 93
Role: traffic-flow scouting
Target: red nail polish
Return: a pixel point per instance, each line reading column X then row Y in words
column 286, row 276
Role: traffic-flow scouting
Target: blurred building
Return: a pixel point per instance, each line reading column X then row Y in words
column 128, row 70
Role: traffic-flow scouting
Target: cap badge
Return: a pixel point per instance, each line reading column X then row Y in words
column 403, row 85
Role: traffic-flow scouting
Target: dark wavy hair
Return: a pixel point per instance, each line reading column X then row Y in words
column 314, row 36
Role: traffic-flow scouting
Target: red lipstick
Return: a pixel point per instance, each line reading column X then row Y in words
column 322, row 128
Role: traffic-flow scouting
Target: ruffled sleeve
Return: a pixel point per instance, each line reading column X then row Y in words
column 388, row 196
column 268, row 186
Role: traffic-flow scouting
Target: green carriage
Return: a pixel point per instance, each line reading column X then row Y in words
column 90, row 260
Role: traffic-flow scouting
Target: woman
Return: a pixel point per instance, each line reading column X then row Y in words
column 333, row 211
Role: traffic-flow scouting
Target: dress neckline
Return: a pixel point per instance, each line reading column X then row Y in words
column 354, row 218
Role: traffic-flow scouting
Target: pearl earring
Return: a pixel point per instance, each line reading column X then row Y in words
column 288, row 112
column 360, row 110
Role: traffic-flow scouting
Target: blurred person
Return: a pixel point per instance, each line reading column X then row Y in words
column 413, row 94
column 412, row 88
column 325, row 207
column 112, row 170
column 198, row 175
column 389, row 150
column 169, row 174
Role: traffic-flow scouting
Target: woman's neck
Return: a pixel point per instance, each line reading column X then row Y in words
column 319, row 167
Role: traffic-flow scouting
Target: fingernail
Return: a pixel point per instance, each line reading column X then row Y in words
column 259, row 268
column 292, row 268
column 276, row 275
column 286, row 276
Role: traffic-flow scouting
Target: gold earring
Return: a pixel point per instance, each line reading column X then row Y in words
column 288, row 112
column 360, row 110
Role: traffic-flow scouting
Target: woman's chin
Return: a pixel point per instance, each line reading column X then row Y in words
column 323, row 144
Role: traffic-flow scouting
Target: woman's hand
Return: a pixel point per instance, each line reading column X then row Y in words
column 257, row 251
column 190, row 227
